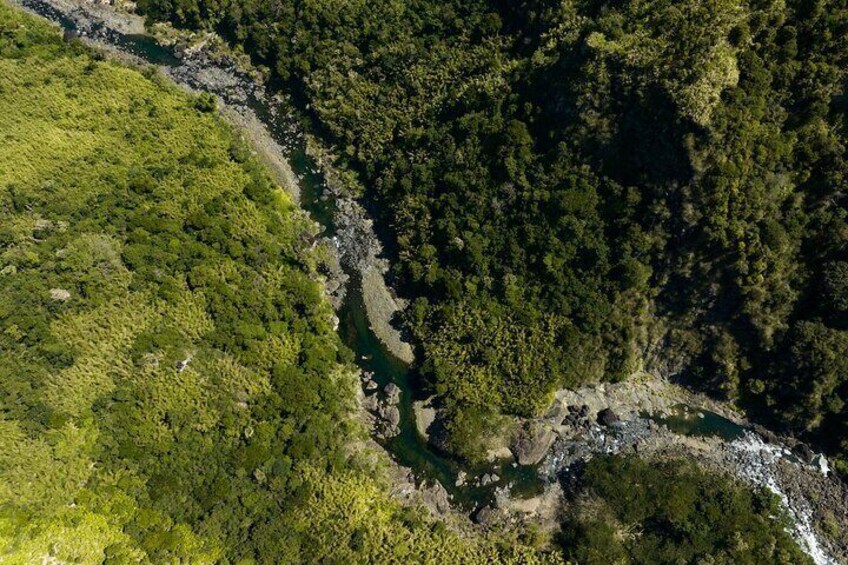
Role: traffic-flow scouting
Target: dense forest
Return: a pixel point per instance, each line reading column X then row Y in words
column 172, row 390
column 574, row 189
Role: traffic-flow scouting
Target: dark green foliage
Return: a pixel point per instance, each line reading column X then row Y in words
column 558, row 167
column 630, row 511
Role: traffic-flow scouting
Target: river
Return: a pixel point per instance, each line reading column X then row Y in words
column 408, row 448
column 755, row 461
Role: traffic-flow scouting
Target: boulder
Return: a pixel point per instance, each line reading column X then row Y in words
column 393, row 416
column 486, row 515
column 460, row 479
column 533, row 444
column 607, row 417
column 392, row 393
column 820, row 463
column 803, row 451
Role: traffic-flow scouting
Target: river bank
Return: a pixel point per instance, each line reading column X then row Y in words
column 567, row 434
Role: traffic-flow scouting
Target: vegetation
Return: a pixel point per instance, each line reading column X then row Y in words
column 556, row 175
column 629, row 511
column 171, row 389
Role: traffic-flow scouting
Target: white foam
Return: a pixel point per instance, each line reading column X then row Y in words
column 757, row 462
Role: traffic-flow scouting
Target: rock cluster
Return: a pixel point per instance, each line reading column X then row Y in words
column 384, row 408
column 489, row 479
column 577, row 416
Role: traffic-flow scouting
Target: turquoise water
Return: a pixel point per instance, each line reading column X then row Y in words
column 693, row 422
column 409, row 448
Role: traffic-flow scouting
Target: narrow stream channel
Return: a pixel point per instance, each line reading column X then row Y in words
column 409, row 448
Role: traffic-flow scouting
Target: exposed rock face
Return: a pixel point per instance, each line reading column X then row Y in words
column 533, row 444
column 371, row 403
column 386, row 414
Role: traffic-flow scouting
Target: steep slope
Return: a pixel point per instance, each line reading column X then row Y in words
column 171, row 388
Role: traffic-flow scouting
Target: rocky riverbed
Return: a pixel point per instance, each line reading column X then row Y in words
column 628, row 418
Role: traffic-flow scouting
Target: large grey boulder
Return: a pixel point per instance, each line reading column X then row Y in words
column 436, row 498
column 393, row 416
column 533, row 444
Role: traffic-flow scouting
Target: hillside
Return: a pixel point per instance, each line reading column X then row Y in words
column 574, row 190
column 171, row 388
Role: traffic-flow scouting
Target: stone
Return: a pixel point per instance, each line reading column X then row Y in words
column 607, row 417
column 371, row 385
column 59, row 294
column 392, row 393
column 460, row 479
column 533, row 444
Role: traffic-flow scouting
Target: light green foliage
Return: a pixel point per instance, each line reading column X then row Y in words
column 692, row 60
column 171, row 389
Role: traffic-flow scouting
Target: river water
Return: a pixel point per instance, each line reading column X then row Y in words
column 409, row 448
